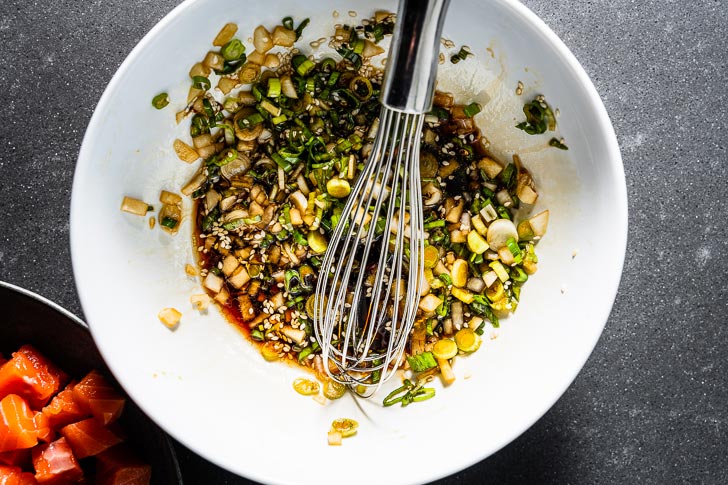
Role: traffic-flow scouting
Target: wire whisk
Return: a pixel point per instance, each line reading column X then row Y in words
column 371, row 272
column 368, row 289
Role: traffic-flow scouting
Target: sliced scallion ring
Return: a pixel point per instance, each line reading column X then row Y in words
column 201, row 82
column 160, row 101
column 347, row 427
column 233, row 50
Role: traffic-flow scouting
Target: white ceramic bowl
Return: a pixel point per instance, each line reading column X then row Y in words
column 210, row 389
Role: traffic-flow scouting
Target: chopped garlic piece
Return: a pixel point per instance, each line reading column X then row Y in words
column 169, row 317
column 334, row 438
column 201, row 301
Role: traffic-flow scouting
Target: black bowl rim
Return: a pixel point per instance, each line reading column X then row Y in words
column 65, row 313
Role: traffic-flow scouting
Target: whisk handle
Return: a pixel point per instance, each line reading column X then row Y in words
column 409, row 78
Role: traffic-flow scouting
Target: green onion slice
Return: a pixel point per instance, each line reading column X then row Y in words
column 160, row 101
column 301, row 26
column 472, row 109
column 422, row 362
column 361, row 87
column 233, row 50
column 554, row 142
column 201, row 82
column 169, row 222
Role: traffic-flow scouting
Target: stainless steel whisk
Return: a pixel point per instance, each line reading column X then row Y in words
column 367, row 302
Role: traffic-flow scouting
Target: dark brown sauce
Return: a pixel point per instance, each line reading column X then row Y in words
column 230, row 311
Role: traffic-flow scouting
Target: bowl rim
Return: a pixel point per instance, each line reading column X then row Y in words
column 45, row 301
column 75, row 319
column 614, row 164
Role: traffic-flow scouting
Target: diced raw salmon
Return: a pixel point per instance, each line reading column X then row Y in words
column 17, row 428
column 55, row 464
column 89, row 437
column 63, row 409
column 30, row 375
column 97, row 396
column 19, row 458
column 13, row 475
column 43, row 429
column 121, row 466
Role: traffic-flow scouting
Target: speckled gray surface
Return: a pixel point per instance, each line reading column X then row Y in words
column 651, row 405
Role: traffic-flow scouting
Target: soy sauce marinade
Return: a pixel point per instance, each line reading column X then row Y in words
column 280, row 155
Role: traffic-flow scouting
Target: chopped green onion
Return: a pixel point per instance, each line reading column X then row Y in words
column 233, row 50
column 434, row 224
column 394, row 396
column 230, row 67
column 257, row 335
column 327, row 65
column 350, row 56
column 287, row 22
column 199, row 126
column 503, row 212
column 301, row 26
column 462, row 54
column 303, row 354
column 160, row 101
column 305, row 67
column 515, row 251
column 446, row 279
column 333, row 78
column 408, row 393
column 539, row 117
column 293, row 282
column 274, row 87
column 270, row 107
column 277, row 120
column 169, row 222
column 257, row 93
column 508, row 176
column 423, row 394
column 210, row 219
column 361, row 87
column 518, row 275
column 554, row 142
column 282, row 162
column 201, row 82
column 421, row 362
column 207, row 106
column 357, row 46
column 251, row 120
column 472, row 109
column 225, row 157
column 481, row 306
column 299, row 238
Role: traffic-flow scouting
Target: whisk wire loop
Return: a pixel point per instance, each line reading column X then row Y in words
column 366, row 302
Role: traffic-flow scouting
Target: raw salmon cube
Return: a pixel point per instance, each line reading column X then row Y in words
column 30, row 375
column 89, row 437
column 13, row 475
column 43, row 429
column 17, row 428
column 97, row 396
column 55, row 464
column 63, row 409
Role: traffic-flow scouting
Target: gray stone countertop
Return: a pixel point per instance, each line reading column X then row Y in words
column 651, row 404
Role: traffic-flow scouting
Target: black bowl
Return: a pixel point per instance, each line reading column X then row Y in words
column 65, row 339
